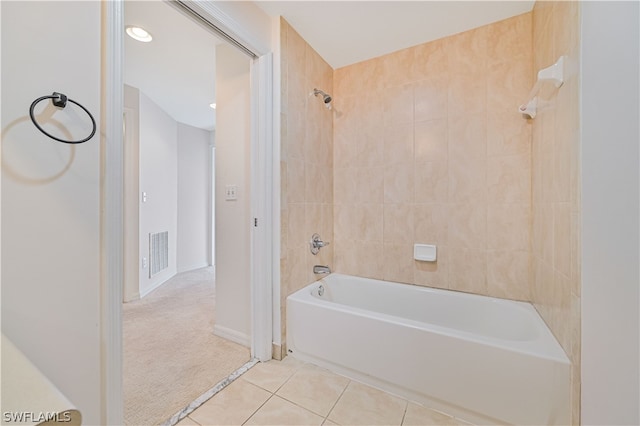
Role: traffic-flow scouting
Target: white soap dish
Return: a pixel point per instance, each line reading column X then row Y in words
column 424, row 252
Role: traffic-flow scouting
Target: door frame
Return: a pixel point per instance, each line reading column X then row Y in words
column 112, row 236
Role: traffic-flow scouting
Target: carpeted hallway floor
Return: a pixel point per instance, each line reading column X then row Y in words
column 170, row 353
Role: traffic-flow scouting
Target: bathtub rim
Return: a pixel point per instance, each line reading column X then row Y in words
column 553, row 351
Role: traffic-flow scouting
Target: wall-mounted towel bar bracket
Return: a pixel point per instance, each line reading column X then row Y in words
column 59, row 100
column 553, row 74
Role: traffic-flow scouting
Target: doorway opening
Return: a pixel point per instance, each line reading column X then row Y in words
column 262, row 184
column 183, row 327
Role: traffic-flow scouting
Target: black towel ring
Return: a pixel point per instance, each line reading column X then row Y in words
column 60, row 100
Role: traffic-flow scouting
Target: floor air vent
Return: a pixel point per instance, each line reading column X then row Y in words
column 158, row 252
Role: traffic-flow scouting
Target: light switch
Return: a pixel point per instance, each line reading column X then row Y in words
column 231, row 192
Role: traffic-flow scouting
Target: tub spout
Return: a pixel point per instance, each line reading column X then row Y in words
column 321, row 269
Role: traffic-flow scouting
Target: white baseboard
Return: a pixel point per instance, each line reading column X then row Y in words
column 135, row 296
column 155, row 286
column 233, row 335
column 193, row 267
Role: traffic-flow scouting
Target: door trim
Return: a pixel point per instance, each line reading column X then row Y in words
column 112, row 214
column 261, row 207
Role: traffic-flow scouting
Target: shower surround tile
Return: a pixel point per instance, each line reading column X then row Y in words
column 399, row 183
column 508, row 133
column 370, row 185
column 508, row 273
column 431, row 98
column 431, row 223
column 508, row 83
column 307, row 189
column 431, row 141
column 468, row 181
column 467, row 138
column 398, row 223
column 433, row 274
column 509, row 179
column 398, row 105
column 398, row 262
column 395, row 66
column 508, row 227
column 556, row 185
column 398, row 144
column 430, row 59
column 509, row 38
column 455, row 157
column 431, row 181
column 468, row 270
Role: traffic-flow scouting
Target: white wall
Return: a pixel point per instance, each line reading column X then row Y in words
column 159, row 179
column 194, row 202
column 51, row 197
column 233, row 319
column 257, row 25
column 610, row 196
column 253, row 22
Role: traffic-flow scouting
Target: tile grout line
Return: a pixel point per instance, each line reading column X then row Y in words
column 272, row 394
column 406, row 408
column 305, row 408
column 258, row 409
column 278, row 388
column 300, row 406
column 336, row 403
column 295, row 371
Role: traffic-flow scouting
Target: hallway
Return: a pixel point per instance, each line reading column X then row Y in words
column 171, row 355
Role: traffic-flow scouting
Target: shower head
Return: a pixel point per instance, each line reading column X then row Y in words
column 326, row 98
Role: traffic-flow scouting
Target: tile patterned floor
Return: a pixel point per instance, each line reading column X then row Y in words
column 290, row 392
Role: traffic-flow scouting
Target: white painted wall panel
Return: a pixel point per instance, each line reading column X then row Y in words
column 51, row 203
column 611, row 213
column 233, row 219
column 194, row 202
column 159, row 180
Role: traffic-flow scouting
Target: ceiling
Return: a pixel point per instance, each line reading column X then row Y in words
column 346, row 32
column 177, row 69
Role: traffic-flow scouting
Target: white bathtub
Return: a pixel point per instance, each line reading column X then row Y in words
column 481, row 359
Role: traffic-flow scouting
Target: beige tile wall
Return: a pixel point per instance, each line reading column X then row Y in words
column 306, row 163
column 429, row 148
column 556, row 185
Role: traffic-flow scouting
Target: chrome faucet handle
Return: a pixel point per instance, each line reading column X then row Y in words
column 316, row 244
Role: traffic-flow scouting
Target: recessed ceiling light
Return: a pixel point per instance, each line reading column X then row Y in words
column 213, row 105
column 138, row 33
